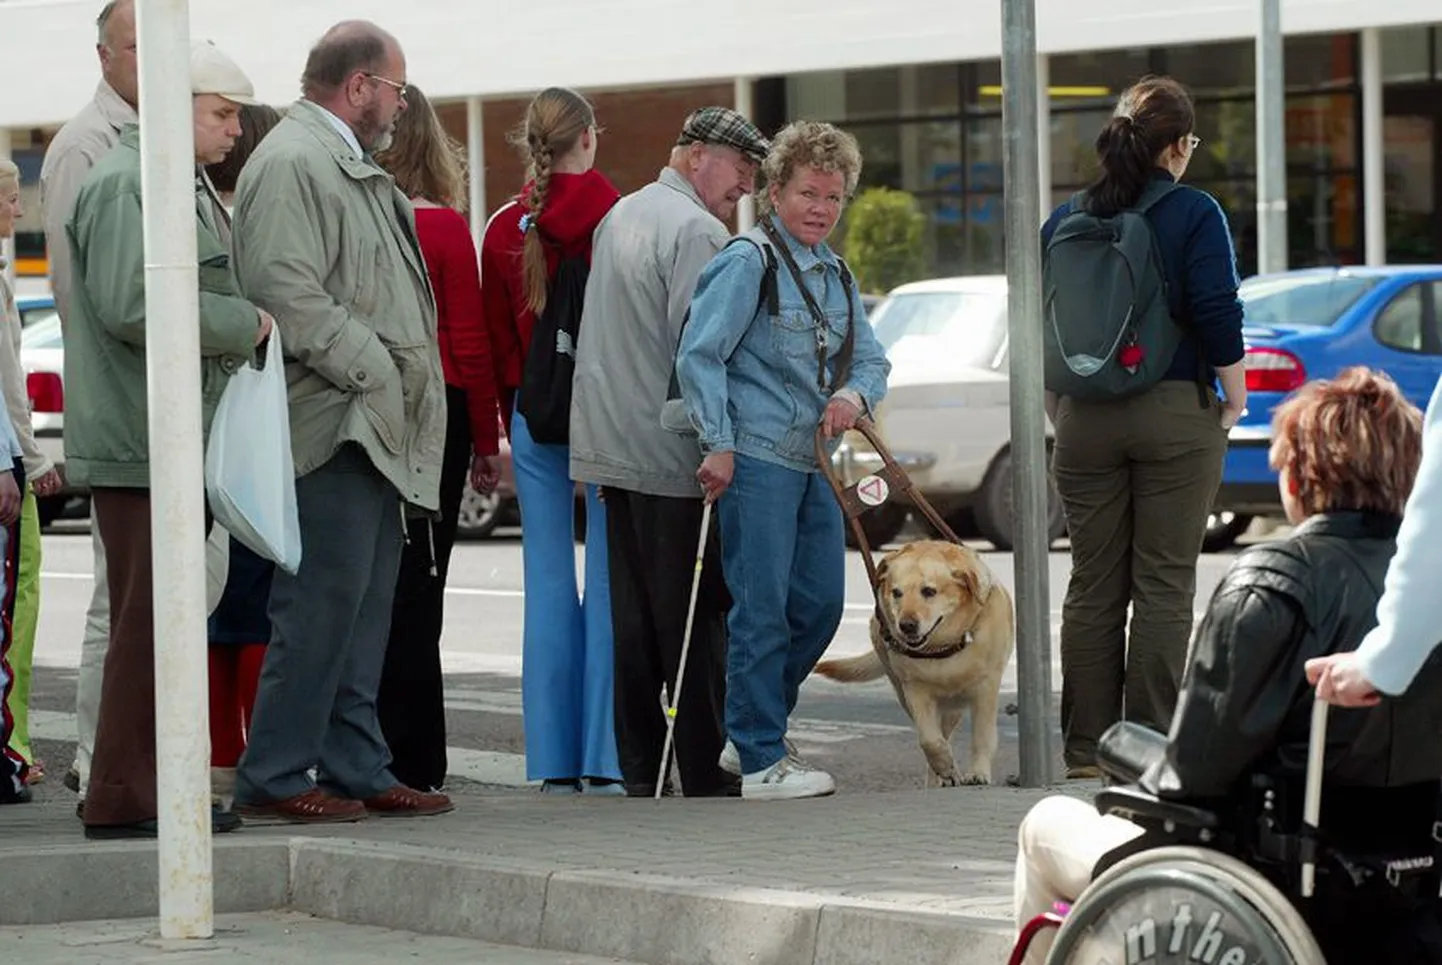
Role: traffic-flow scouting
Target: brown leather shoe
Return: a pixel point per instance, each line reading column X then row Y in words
column 404, row 802
column 312, row 807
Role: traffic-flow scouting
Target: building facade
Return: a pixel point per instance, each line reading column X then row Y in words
column 918, row 82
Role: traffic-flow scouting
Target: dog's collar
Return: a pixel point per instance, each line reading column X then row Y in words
column 894, row 645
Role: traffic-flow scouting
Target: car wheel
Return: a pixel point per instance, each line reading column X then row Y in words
column 1223, row 529
column 881, row 525
column 480, row 515
column 993, row 508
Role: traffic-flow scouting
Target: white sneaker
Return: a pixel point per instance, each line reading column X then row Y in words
column 730, row 760
column 787, row 779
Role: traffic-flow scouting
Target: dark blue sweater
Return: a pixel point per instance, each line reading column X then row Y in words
column 1201, row 267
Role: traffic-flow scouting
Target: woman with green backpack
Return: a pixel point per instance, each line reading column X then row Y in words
column 1141, row 320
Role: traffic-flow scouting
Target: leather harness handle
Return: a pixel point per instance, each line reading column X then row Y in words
column 897, row 482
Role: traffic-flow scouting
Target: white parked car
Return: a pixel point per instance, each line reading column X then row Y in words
column 42, row 356
column 946, row 416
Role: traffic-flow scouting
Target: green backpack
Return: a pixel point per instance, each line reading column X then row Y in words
column 1108, row 330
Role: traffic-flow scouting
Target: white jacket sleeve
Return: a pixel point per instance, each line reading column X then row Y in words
column 1409, row 615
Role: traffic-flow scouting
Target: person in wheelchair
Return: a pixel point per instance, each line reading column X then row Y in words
column 1230, row 774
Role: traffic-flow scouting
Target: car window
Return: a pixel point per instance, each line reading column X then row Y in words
column 1311, row 300
column 1401, row 324
column 968, row 328
column 32, row 316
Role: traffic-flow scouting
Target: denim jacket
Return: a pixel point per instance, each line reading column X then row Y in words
column 749, row 380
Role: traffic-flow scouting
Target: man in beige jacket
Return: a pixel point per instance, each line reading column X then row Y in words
column 325, row 241
column 87, row 138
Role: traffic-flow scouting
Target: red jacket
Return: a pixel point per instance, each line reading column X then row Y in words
column 465, row 344
column 575, row 204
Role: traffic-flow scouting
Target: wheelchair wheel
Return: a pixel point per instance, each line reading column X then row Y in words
column 1167, row 906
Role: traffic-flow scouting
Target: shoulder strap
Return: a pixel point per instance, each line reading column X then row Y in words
column 818, row 317
column 1154, row 192
column 768, row 294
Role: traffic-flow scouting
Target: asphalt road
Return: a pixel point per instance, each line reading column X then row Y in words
column 857, row 731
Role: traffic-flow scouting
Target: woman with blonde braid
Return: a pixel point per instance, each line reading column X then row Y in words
column 566, row 669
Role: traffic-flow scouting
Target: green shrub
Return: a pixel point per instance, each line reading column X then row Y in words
column 885, row 246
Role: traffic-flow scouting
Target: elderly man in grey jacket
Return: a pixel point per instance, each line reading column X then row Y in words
column 646, row 256
column 326, row 242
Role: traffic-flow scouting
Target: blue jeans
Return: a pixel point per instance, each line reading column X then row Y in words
column 567, row 669
column 784, row 555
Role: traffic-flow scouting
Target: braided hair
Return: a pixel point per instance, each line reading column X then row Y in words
column 555, row 121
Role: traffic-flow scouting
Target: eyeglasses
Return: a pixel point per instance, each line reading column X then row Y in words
column 396, row 86
column 1193, row 142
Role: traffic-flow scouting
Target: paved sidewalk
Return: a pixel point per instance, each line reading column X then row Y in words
column 275, row 938
column 927, row 874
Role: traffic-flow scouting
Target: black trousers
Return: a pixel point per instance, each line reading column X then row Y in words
column 411, row 701
column 652, row 554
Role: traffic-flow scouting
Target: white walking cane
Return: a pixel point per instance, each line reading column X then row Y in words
column 685, row 650
column 1312, row 800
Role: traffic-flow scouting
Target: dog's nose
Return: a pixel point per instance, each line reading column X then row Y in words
column 909, row 627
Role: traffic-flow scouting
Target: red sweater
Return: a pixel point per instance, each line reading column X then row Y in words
column 465, row 344
column 575, row 204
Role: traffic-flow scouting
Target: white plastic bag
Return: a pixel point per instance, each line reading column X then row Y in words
column 249, row 470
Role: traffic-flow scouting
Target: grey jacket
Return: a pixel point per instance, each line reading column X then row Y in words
column 87, row 138
column 326, row 243
column 645, row 259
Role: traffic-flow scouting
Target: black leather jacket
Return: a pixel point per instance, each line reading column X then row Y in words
column 1245, row 706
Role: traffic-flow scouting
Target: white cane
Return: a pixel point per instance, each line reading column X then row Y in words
column 1312, row 800
column 685, row 650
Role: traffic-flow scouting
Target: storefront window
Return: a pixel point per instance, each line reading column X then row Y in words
column 1228, row 130
column 914, row 156
column 985, row 149
column 1097, row 76
column 1322, row 132
column 1324, row 60
column 1073, row 145
column 1406, row 55
column 1226, row 68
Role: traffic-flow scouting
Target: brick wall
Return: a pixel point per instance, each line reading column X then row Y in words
column 638, row 129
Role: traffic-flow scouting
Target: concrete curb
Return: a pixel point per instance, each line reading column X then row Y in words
column 646, row 919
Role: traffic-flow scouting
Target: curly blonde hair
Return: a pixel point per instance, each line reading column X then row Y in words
column 555, row 121
column 1349, row 443
column 809, row 144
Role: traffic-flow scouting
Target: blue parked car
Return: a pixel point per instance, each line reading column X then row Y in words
column 1311, row 324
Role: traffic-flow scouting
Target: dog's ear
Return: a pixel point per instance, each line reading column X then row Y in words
column 881, row 569
column 977, row 580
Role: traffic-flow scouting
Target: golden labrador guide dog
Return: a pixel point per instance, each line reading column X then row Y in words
column 943, row 633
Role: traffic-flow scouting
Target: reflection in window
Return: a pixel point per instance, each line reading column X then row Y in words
column 1400, row 324
column 916, row 156
column 1320, row 60
column 1073, row 145
column 1309, row 300
column 1226, row 68
column 1406, row 55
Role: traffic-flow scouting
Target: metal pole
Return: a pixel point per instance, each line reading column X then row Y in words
column 1271, row 141
column 1043, row 131
column 1374, row 165
column 476, row 162
column 177, row 482
column 1028, row 417
column 745, row 101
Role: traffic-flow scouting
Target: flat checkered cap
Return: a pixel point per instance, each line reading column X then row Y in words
column 721, row 125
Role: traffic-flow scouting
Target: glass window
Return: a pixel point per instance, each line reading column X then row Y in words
column 1226, row 68
column 931, row 89
column 1311, row 300
column 1073, row 145
column 1321, row 60
column 1099, row 75
column 1322, row 132
column 985, row 149
column 1228, row 130
column 967, row 328
column 984, row 238
column 1406, row 54
column 43, row 333
column 1322, row 220
column 871, row 93
column 820, row 95
column 915, row 156
column 945, row 235
column 1399, row 325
